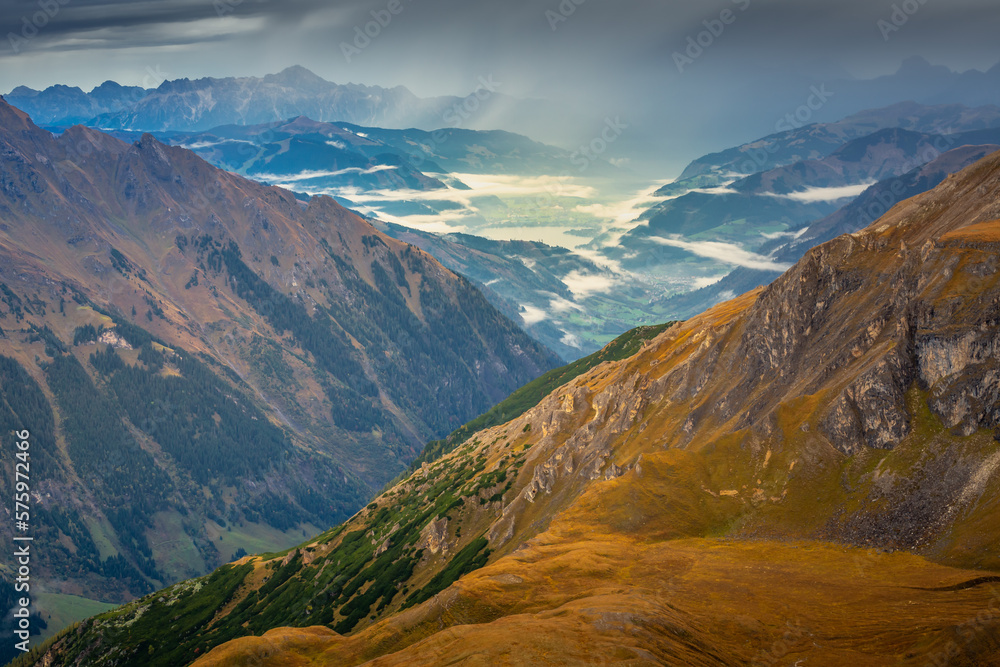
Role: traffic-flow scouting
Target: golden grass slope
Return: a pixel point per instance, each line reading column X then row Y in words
column 621, row 601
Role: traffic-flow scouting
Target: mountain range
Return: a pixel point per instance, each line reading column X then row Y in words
column 69, row 105
column 185, row 105
column 727, row 212
column 210, row 365
column 861, row 212
column 795, row 100
column 336, row 158
column 175, row 314
column 818, row 140
column 396, row 174
column 802, row 177
column 806, row 473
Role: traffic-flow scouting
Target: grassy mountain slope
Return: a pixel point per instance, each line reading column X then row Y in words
column 278, row 588
column 532, row 393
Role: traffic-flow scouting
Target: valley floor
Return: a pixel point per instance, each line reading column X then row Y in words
column 571, row 600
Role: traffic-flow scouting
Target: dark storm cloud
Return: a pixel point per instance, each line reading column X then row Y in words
column 595, row 27
column 127, row 19
column 82, row 15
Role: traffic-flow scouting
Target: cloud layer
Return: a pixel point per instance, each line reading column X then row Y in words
column 723, row 252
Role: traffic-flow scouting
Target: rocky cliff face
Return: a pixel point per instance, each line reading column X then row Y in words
column 830, row 432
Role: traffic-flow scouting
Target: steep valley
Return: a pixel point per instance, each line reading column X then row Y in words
column 806, row 474
column 208, row 366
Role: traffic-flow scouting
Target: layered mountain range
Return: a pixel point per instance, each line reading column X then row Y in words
column 858, row 214
column 794, row 101
column 307, row 155
column 396, row 174
column 726, row 214
column 782, row 200
column 200, row 104
column 185, row 105
column 211, row 366
column 69, row 105
column 802, row 178
column 818, row 140
column 804, row 474
column 750, row 212
column 293, row 146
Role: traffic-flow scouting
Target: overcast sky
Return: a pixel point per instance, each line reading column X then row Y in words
column 611, row 56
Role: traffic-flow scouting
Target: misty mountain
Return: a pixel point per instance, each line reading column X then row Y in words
column 317, row 156
column 778, row 202
column 797, row 98
column 925, row 83
column 816, row 141
column 464, row 151
column 873, row 203
column 723, row 227
column 877, row 200
column 198, row 105
column 307, row 156
column 65, row 105
column 870, row 158
column 187, row 105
